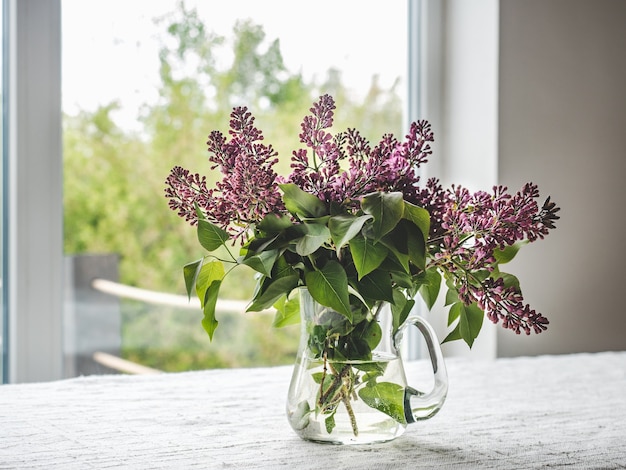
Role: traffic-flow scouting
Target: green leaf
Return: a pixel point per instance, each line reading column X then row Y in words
column 317, row 377
column 329, row 287
column 455, row 312
column 287, row 311
column 372, row 334
column 208, row 273
column 259, row 244
column 273, row 223
column 323, row 220
column 416, row 244
column 210, row 236
column 508, row 253
column 387, row 210
column 357, row 294
column 367, row 255
column 419, row 216
column 510, row 280
column 354, row 347
column 209, row 322
column 385, row 397
column 373, row 369
column 402, row 258
column 470, row 322
column 454, row 335
column 330, row 423
column 481, row 274
column 431, row 284
column 300, row 418
column 377, row 286
column 402, row 279
column 262, row 262
column 190, row 272
column 452, row 295
column 282, row 268
column 272, row 291
column 344, row 228
column 314, row 236
column 400, row 309
column 301, row 203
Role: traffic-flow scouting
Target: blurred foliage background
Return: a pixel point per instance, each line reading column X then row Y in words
column 114, row 181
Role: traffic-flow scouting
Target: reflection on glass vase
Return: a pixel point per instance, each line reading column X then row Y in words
column 349, row 384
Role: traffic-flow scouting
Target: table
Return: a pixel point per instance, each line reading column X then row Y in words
column 526, row 413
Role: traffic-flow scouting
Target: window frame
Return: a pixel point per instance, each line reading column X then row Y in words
column 33, row 215
column 4, row 335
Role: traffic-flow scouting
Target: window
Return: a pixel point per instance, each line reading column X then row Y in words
column 182, row 75
column 109, row 116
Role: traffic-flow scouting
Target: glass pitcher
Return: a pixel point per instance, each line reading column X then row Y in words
column 348, row 384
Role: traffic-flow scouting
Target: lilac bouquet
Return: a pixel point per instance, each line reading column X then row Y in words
column 354, row 224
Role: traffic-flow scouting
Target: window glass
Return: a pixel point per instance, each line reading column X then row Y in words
column 144, row 82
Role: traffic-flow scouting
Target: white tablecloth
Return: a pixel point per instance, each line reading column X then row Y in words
column 525, row 413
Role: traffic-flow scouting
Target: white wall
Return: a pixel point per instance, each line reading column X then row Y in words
column 562, row 124
column 460, row 99
column 535, row 90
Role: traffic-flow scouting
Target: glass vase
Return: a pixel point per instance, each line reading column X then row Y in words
column 349, row 384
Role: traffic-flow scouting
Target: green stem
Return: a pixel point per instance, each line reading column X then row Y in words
column 340, row 388
column 334, row 386
column 467, row 273
column 315, row 167
column 346, row 402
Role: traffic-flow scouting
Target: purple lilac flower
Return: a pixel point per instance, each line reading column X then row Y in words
column 465, row 228
column 184, row 191
column 317, row 174
column 389, row 166
column 506, row 304
column 472, row 227
column 435, row 200
column 248, row 190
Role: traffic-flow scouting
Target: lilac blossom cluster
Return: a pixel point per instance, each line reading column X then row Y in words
column 390, row 166
column 248, row 190
column 467, row 229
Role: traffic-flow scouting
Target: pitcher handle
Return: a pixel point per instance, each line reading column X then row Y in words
column 419, row 405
